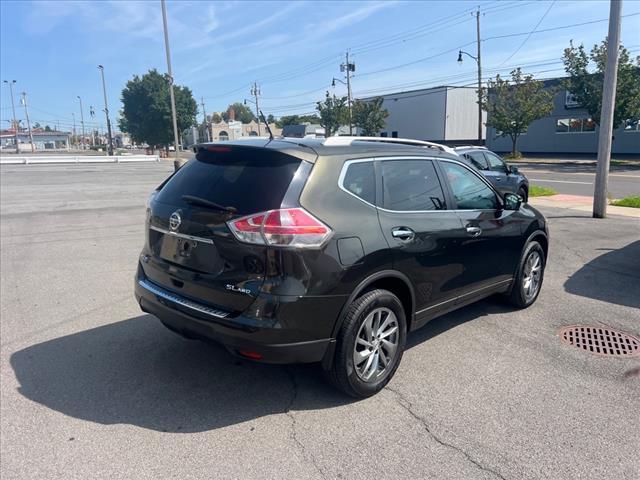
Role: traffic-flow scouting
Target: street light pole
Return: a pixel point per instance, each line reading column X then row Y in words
column 606, row 116
column 13, row 108
column 75, row 137
column 478, row 59
column 106, row 112
column 176, row 162
column 349, row 67
column 81, row 121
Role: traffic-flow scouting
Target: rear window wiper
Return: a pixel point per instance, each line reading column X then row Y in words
column 203, row 202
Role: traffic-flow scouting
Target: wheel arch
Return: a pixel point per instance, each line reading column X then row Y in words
column 392, row 280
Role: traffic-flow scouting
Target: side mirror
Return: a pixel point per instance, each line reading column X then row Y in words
column 512, row 201
column 513, row 169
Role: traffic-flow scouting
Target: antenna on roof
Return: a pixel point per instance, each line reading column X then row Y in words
column 267, row 125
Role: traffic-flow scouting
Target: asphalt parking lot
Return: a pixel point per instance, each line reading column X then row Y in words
column 94, row 388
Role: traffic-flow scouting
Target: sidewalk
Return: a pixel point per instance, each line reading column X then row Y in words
column 581, row 203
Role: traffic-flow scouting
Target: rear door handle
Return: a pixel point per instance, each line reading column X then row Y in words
column 403, row 233
column 473, row 231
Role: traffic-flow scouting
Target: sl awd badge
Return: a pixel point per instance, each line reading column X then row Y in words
column 175, row 220
column 233, row 288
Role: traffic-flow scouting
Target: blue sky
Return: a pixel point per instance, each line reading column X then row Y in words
column 292, row 49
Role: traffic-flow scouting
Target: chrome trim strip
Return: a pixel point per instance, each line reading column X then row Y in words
column 486, row 287
column 181, row 235
column 214, row 312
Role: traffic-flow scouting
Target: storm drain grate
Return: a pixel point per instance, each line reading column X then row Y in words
column 600, row 340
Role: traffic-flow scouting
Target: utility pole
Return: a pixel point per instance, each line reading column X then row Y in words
column 176, row 162
column 13, row 108
column 75, row 137
column 26, row 113
column 608, row 107
column 479, row 78
column 106, row 112
column 255, row 91
column 349, row 67
column 206, row 124
column 81, row 120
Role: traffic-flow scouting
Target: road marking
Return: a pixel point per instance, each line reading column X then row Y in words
column 559, row 181
column 544, row 172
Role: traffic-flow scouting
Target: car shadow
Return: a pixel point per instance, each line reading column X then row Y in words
column 612, row 277
column 137, row 372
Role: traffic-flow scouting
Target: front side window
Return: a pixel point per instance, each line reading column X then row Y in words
column 477, row 160
column 360, row 180
column 469, row 191
column 411, row 185
column 495, row 162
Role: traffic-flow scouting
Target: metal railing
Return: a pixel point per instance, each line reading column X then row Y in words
column 44, row 159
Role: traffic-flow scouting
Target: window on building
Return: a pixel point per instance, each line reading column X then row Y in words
column 575, row 125
column 383, row 134
column 570, row 100
column 411, row 185
column 223, row 135
column 632, row 126
column 394, row 134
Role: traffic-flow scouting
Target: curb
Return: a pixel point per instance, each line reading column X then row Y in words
column 582, row 204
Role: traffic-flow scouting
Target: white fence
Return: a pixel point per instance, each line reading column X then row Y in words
column 78, row 159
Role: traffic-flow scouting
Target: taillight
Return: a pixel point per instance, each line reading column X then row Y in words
column 289, row 227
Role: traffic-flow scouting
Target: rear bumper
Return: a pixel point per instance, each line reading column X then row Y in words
column 293, row 332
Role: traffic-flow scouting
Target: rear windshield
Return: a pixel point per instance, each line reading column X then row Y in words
column 249, row 180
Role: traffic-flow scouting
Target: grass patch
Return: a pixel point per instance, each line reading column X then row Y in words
column 538, row 191
column 632, row 201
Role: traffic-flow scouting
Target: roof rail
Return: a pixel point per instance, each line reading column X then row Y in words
column 348, row 140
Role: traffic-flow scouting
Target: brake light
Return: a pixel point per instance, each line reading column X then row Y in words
column 289, row 227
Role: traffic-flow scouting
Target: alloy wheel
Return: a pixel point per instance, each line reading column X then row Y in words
column 376, row 344
column 532, row 275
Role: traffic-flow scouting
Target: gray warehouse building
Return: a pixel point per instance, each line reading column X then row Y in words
column 443, row 114
column 569, row 129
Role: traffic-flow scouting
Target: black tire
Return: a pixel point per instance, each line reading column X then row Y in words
column 518, row 296
column 522, row 192
column 343, row 374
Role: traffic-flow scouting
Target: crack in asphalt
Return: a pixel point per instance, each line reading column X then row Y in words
column 294, row 432
column 408, row 406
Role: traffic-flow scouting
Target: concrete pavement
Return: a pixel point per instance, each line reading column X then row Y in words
column 93, row 388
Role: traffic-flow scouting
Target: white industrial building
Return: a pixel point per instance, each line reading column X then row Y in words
column 441, row 114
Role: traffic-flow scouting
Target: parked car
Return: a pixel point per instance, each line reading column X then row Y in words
column 331, row 251
column 505, row 178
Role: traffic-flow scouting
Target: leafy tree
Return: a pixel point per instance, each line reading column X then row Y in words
column 271, row 118
column 369, row 116
column 37, row 125
column 512, row 105
column 242, row 113
column 47, row 128
column 586, row 82
column 146, row 115
column 333, row 113
column 296, row 120
column 216, row 118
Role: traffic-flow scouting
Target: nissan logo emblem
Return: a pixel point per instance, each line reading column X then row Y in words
column 175, row 220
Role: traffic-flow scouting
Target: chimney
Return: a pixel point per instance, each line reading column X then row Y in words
column 232, row 114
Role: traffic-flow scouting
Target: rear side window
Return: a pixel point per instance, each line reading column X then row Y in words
column 249, row 180
column 360, row 179
column 411, row 185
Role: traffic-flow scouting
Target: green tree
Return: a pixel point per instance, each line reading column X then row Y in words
column 271, row 118
column 369, row 116
column 216, row 118
column 333, row 113
column 586, row 79
column 513, row 104
column 242, row 113
column 47, row 128
column 296, row 120
column 146, row 114
column 36, row 126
